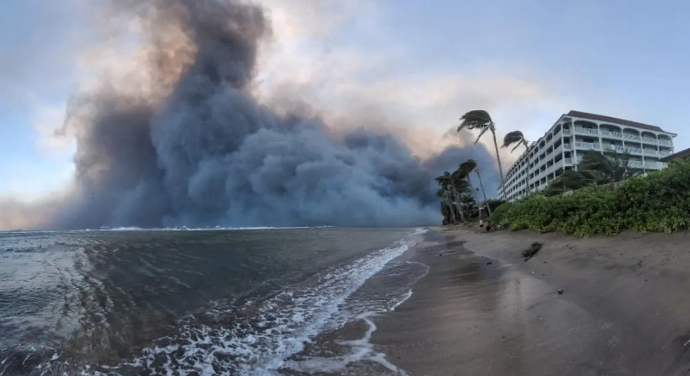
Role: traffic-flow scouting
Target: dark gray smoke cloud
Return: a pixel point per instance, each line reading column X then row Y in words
column 208, row 154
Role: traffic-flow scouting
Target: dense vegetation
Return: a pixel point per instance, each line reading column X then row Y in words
column 460, row 201
column 658, row 202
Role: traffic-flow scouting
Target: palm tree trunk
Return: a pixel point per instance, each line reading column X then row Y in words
column 451, row 208
column 498, row 158
column 488, row 209
column 455, row 203
column 462, row 214
column 476, row 197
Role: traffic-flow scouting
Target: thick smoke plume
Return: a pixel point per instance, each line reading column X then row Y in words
column 187, row 144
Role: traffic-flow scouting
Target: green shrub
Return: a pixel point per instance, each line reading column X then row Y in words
column 659, row 202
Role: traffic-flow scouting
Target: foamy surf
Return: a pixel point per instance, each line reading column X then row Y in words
column 258, row 338
column 382, row 293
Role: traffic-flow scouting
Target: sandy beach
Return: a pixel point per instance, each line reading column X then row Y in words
column 482, row 310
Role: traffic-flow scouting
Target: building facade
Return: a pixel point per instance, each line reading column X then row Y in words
column 575, row 133
column 683, row 154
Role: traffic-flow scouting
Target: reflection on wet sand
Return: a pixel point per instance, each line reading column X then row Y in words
column 473, row 315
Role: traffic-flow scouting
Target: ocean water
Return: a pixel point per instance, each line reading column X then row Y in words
column 179, row 302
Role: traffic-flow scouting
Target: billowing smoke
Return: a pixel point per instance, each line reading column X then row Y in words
column 191, row 146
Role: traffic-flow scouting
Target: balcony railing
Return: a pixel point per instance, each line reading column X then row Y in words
column 665, row 142
column 613, row 147
column 650, row 140
column 583, row 130
column 566, row 132
column 651, row 152
column 665, row 153
column 629, row 136
column 611, row 134
column 588, row 145
column 567, row 146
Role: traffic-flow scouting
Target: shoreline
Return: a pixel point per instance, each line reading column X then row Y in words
column 482, row 310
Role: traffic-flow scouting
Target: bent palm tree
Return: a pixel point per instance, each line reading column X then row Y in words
column 517, row 138
column 446, row 206
column 594, row 169
column 447, row 183
column 471, row 166
column 608, row 167
column 480, row 119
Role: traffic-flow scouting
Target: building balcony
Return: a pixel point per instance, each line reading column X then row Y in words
column 613, row 147
column 587, row 131
column 611, row 134
column 588, row 145
column 629, row 136
column 651, row 153
column 665, row 142
column 650, row 140
column 566, row 132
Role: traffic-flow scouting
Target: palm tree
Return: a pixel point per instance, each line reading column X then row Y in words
column 471, row 166
column 461, row 186
column 517, row 138
column 480, row 119
column 610, row 167
column 446, row 181
column 446, row 206
column 594, row 168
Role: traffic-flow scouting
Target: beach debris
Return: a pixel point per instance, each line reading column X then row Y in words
column 531, row 251
column 560, row 291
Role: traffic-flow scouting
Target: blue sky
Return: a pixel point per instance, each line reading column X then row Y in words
column 526, row 61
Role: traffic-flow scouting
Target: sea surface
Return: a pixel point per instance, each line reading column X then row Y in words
column 197, row 302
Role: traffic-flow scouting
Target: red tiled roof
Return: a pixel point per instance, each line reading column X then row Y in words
column 681, row 154
column 614, row 120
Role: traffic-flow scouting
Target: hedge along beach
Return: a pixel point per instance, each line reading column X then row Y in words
column 658, row 202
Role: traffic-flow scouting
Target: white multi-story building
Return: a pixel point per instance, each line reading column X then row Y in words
column 575, row 133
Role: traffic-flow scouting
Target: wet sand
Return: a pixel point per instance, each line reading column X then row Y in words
column 482, row 310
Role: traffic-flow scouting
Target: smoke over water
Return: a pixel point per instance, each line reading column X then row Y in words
column 184, row 142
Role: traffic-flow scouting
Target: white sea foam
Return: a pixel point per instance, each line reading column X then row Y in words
column 362, row 349
column 274, row 329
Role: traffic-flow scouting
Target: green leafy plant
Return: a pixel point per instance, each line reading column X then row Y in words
column 658, row 202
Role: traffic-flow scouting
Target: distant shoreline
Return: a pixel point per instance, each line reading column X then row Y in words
column 482, row 310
